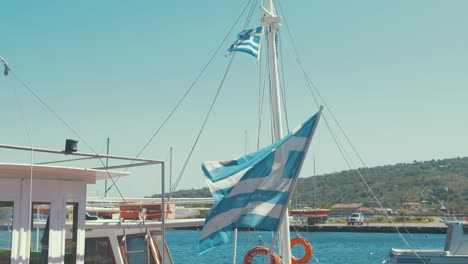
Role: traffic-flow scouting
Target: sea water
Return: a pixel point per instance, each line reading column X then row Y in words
column 328, row 247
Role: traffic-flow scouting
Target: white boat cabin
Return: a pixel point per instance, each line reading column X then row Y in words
column 53, row 199
column 455, row 251
column 43, row 217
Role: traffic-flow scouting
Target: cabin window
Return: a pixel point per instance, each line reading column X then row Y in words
column 39, row 233
column 136, row 250
column 98, row 251
column 71, row 224
column 6, row 230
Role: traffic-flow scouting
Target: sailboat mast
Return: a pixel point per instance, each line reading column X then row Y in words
column 272, row 24
column 107, row 165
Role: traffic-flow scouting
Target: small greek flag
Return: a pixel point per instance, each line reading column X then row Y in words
column 252, row 190
column 248, row 41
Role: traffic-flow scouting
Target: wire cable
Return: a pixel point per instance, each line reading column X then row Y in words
column 203, row 125
column 192, row 85
column 54, row 113
column 283, row 83
column 184, row 167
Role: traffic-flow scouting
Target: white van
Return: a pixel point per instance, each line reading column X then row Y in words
column 356, row 218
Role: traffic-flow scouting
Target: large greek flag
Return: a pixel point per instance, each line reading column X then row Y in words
column 248, row 41
column 252, row 190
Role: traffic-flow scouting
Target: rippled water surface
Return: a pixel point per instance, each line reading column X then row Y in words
column 329, row 247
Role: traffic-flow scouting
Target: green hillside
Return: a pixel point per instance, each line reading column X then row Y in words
column 433, row 181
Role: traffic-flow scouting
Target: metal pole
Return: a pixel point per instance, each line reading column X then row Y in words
column 291, row 189
column 91, row 156
column 107, row 165
column 315, row 186
column 273, row 23
column 170, row 174
column 163, row 213
column 234, row 251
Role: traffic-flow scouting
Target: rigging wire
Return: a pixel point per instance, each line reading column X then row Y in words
column 283, row 82
column 260, row 100
column 192, row 85
column 28, row 136
column 345, row 157
column 73, row 131
column 184, row 167
column 62, row 121
column 270, row 95
column 8, row 70
column 369, row 189
column 262, row 91
column 203, row 125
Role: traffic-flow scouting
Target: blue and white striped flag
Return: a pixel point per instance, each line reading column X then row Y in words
column 248, row 41
column 252, row 190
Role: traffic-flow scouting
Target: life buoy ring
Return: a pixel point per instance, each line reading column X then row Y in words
column 309, row 251
column 274, row 259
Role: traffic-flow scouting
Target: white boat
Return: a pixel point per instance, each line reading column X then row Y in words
column 455, row 251
column 43, row 217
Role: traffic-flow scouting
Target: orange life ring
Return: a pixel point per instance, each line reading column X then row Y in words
column 309, row 251
column 274, row 259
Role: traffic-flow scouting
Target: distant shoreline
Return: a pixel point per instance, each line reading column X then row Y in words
column 426, row 228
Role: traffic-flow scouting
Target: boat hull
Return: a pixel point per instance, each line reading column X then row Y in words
column 398, row 256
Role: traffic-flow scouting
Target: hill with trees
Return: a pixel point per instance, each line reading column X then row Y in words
column 433, row 182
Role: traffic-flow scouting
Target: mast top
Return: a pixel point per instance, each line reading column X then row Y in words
column 270, row 18
column 271, row 7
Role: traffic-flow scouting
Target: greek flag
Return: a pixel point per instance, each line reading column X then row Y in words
column 252, row 190
column 248, row 41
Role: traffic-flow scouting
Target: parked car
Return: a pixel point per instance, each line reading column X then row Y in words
column 356, row 218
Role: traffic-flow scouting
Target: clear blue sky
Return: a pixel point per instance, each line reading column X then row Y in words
column 393, row 72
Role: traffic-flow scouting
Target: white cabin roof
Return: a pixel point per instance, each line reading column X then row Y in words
column 47, row 172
